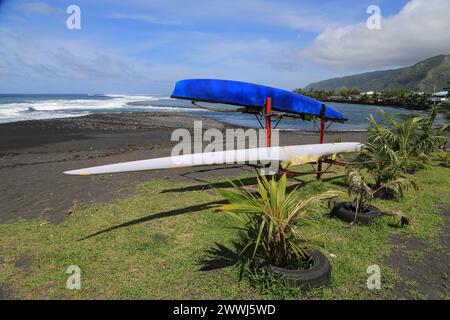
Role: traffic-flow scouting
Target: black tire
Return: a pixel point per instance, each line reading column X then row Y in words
column 319, row 274
column 346, row 212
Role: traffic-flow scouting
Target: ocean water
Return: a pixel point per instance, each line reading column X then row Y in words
column 34, row 107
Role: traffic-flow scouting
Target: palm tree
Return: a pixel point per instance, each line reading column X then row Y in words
column 362, row 195
column 272, row 219
column 429, row 137
column 401, row 147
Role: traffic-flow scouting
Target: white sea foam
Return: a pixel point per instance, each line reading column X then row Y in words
column 13, row 117
column 60, row 108
column 135, row 97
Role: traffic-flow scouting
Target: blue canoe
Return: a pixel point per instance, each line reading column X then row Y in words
column 251, row 95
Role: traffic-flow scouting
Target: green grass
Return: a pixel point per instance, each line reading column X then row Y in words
column 159, row 252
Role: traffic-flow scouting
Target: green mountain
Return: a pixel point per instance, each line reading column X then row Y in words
column 422, row 76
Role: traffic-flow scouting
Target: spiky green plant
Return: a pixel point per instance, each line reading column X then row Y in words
column 383, row 160
column 430, row 138
column 403, row 146
column 271, row 219
column 444, row 157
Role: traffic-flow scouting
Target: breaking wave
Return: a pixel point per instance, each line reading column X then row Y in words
column 36, row 107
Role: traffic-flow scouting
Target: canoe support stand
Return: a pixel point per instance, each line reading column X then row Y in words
column 267, row 114
column 321, row 137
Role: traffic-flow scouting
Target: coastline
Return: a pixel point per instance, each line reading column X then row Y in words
column 378, row 104
column 33, row 155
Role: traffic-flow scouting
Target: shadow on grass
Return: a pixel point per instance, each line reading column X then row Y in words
column 223, row 184
column 171, row 213
column 334, row 180
column 156, row 216
column 226, row 184
column 443, row 165
column 220, row 256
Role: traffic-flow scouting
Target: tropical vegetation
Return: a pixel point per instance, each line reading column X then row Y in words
column 404, row 98
column 362, row 196
column 359, row 190
column 171, row 226
column 445, row 109
column 429, row 76
column 272, row 219
column 402, row 146
column 166, row 241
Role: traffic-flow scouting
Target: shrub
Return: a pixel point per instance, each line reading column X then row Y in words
column 362, row 195
column 403, row 146
column 272, row 220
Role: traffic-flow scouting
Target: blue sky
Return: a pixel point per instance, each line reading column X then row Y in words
column 139, row 46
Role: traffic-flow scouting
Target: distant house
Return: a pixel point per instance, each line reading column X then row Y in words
column 370, row 93
column 439, row 97
column 336, row 98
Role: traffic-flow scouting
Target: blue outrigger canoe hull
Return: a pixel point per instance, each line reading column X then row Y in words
column 251, row 95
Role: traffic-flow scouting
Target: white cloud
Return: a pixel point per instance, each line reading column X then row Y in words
column 272, row 13
column 36, row 8
column 206, row 46
column 51, row 64
column 418, row 31
column 141, row 17
column 284, row 14
column 24, row 57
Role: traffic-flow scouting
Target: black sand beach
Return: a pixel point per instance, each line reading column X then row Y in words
column 33, row 155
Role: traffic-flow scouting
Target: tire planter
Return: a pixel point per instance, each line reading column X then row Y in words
column 319, row 274
column 346, row 212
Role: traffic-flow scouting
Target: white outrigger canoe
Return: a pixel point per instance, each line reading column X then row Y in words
column 286, row 156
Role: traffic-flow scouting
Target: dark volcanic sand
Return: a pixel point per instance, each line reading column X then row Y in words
column 425, row 277
column 33, row 155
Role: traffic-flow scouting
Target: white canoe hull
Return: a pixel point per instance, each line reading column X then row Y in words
column 286, row 156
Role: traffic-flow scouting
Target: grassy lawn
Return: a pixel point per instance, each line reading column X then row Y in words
column 157, row 243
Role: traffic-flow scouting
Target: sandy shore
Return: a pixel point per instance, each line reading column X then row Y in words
column 33, row 155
